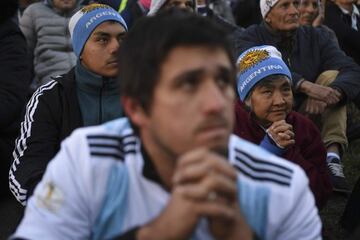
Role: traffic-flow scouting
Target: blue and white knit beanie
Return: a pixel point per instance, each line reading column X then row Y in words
column 267, row 5
column 84, row 21
column 257, row 63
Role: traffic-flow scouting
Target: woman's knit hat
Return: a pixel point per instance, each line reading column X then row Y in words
column 257, row 63
column 84, row 21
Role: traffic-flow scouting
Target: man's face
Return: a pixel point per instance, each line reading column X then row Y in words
column 100, row 52
column 309, row 9
column 271, row 101
column 192, row 104
column 284, row 16
column 183, row 4
column 64, row 5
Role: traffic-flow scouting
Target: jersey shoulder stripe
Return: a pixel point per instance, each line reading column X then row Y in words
column 258, row 164
column 261, row 169
column 111, row 146
column 261, row 165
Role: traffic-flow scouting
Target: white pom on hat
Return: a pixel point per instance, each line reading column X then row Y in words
column 266, row 5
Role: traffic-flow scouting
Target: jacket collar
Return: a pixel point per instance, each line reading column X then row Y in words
column 92, row 83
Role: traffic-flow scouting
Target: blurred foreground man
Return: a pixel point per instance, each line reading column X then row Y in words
column 172, row 170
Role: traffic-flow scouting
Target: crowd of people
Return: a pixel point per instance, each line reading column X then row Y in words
column 120, row 118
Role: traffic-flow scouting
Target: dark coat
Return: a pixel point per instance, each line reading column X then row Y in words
column 51, row 115
column 308, row 151
column 349, row 38
column 247, row 12
column 14, row 85
column 308, row 52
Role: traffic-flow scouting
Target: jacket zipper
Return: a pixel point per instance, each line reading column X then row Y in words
column 289, row 62
column 68, row 49
column 104, row 83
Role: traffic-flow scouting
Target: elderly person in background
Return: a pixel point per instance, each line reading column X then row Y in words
column 264, row 116
column 311, row 13
column 324, row 78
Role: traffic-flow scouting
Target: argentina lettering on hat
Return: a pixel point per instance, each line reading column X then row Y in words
column 257, row 63
column 84, row 21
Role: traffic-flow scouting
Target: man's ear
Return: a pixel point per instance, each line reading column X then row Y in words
column 134, row 110
column 267, row 20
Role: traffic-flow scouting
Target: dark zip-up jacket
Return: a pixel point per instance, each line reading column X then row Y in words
column 51, row 115
column 349, row 38
column 14, row 84
column 308, row 52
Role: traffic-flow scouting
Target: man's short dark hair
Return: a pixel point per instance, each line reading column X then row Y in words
column 152, row 39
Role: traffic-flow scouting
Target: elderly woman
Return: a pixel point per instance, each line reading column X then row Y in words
column 264, row 116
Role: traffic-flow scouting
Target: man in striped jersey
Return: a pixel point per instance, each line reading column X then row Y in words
column 172, row 170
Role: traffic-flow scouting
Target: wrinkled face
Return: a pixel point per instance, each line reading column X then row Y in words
column 192, row 104
column 100, row 51
column 271, row 101
column 309, row 9
column 182, row 4
column 284, row 16
column 64, row 5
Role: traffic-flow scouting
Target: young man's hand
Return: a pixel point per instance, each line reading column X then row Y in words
column 204, row 185
column 212, row 182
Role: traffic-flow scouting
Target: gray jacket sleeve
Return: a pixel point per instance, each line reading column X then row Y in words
column 27, row 26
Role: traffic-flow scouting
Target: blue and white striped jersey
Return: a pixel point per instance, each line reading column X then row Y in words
column 95, row 188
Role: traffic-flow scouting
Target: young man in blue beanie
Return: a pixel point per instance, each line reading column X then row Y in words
column 87, row 95
column 264, row 116
column 172, row 169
